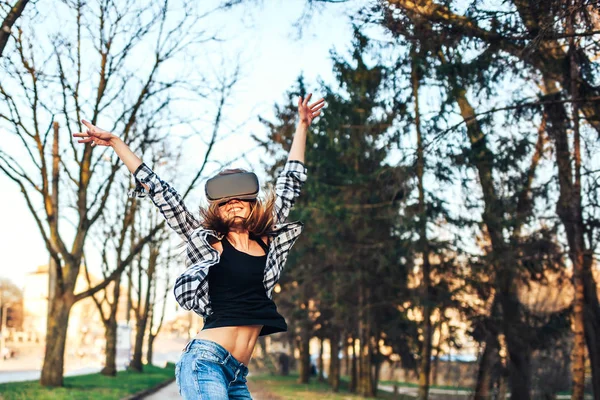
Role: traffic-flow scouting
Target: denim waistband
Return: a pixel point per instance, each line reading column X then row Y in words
column 215, row 348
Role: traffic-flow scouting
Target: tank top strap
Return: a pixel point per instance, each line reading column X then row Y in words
column 260, row 242
column 227, row 244
column 263, row 245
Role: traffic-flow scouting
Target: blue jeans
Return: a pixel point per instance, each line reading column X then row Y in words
column 207, row 371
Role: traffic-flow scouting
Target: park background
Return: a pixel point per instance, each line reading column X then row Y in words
column 452, row 188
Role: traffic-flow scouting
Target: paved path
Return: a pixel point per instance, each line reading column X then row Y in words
column 171, row 392
column 168, row 392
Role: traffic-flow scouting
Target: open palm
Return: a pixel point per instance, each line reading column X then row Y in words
column 309, row 112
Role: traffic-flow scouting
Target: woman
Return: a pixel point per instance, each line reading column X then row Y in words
column 234, row 258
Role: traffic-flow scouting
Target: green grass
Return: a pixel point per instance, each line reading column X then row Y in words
column 93, row 386
column 288, row 388
column 410, row 384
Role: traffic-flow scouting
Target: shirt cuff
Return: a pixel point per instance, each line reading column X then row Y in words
column 143, row 174
column 295, row 166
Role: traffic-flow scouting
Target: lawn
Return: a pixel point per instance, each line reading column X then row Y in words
column 92, row 386
column 409, row 384
column 287, row 388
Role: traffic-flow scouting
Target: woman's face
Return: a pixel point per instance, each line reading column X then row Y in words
column 235, row 208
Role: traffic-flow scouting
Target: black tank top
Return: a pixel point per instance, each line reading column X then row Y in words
column 237, row 294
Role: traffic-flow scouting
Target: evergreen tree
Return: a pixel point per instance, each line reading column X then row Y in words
column 351, row 261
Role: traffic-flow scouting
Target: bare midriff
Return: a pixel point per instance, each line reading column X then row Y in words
column 238, row 340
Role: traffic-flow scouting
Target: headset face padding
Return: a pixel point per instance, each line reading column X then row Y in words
column 242, row 185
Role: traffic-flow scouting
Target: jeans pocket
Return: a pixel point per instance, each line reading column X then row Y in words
column 207, row 355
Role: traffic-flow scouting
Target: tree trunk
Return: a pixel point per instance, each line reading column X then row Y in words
column 292, row 347
column 110, row 364
column 425, row 362
column 10, row 19
column 489, row 360
column 592, row 324
column 365, row 380
column 354, row 368
column 376, row 362
column 320, row 376
column 150, row 349
column 110, row 329
column 346, row 355
column 56, row 336
column 303, row 346
column 570, row 213
column 140, row 330
column 519, row 353
column 483, row 159
column 334, row 362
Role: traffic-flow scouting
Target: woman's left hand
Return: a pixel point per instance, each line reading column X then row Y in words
column 308, row 112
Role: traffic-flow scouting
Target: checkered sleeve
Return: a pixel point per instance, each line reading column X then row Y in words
column 287, row 188
column 168, row 201
column 191, row 287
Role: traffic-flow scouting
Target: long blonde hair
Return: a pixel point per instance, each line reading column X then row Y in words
column 259, row 222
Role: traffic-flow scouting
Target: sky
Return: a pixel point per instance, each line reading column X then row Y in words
column 272, row 56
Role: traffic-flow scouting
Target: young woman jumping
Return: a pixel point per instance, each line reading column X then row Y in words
column 235, row 253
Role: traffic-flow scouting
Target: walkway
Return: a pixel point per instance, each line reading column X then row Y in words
column 170, row 392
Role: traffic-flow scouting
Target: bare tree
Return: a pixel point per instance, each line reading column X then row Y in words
column 39, row 88
column 11, row 14
column 108, row 305
column 154, row 329
column 146, row 281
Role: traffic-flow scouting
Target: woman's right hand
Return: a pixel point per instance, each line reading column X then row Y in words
column 95, row 135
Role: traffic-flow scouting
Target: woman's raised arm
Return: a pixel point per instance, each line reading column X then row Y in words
column 165, row 197
column 293, row 175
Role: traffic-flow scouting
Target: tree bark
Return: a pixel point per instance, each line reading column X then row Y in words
column 365, row 380
column 140, row 330
column 592, row 323
column 320, row 376
column 10, row 19
column 504, row 259
column 569, row 211
column 346, row 355
column 110, row 330
column 425, row 361
column 354, row 368
column 150, row 348
column 304, row 362
column 56, row 337
column 334, row 362
column 489, row 360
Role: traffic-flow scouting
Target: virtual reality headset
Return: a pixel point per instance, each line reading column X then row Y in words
column 240, row 185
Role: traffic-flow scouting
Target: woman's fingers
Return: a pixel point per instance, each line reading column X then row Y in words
column 311, row 111
column 317, row 107
column 317, row 103
column 88, row 124
column 305, row 102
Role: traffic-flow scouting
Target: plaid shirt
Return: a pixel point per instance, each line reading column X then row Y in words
column 191, row 287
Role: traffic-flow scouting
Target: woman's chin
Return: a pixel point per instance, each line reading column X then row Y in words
column 237, row 220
